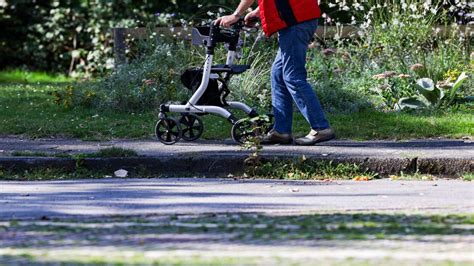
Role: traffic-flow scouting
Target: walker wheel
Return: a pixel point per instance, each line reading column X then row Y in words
column 192, row 127
column 168, row 131
column 243, row 130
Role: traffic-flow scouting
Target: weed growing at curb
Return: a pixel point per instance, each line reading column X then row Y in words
column 39, row 154
column 50, row 174
column 303, row 169
column 414, row 176
column 114, row 152
column 30, row 154
column 260, row 125
column 468, row 177
column 79, row 171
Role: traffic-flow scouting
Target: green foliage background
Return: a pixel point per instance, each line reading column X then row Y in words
column 74, row 36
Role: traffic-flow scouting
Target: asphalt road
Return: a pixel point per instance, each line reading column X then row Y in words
column 196, row 196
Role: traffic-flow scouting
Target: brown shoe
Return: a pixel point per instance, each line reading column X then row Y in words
column 315, row 137
column 274, row 137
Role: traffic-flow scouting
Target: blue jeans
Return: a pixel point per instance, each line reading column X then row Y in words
column 289, row 80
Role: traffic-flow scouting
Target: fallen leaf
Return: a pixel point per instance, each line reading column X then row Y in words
column 361, row 178
column 394, row 177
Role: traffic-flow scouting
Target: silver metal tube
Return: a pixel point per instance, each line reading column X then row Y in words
column 200, row 109
column 204, row 82
column 230, row 58
column 240, row 106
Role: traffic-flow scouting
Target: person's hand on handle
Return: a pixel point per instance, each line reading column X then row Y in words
column 252, row 18
column 227, row 21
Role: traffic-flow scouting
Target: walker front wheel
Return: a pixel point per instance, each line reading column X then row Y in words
column 168, row 131
column 243, row 130
column 192, row 127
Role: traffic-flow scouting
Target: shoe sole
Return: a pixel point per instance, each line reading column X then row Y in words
column 328, row 138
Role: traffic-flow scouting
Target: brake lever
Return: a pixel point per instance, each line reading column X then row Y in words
column 251, row 26
column 250, row 29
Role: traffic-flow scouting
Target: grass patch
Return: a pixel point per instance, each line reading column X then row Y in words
column 78, row 172
column 22, row 76
column 113, row 152
column 73, row 257
column 31, row 154
column 31, row 257
column 303, row 169
column 30, row 110
column 139, row 234
column 468, row 177
column 51, row 174
column 300, row 226
column 414, row 176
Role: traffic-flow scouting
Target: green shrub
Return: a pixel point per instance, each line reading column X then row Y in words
column 394, row 48
column 145, row 83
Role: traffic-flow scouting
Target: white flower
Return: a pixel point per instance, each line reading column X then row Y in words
column 395, row 21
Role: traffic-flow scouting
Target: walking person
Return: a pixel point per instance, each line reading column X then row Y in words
column 295, row 21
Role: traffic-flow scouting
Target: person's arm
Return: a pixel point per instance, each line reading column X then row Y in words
column 227, row 21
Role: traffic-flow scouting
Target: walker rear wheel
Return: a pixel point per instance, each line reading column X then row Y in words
column 192, row 127
column 168, row 131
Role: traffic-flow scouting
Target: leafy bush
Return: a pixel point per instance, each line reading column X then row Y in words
column 431, row 95
column 74, row 37
column 144, row 83
column 395, row 46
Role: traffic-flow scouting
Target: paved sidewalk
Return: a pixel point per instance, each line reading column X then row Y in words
column 197, row 196
column 220, row 158
column 339, row 148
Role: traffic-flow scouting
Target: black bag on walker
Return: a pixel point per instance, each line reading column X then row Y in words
column 191, row 79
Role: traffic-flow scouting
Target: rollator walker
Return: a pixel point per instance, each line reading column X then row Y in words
column 210, row 87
